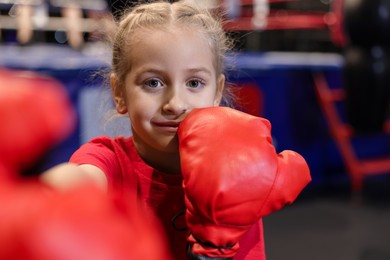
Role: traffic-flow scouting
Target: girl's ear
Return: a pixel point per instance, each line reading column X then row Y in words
column 220, row 88
column 117, row 93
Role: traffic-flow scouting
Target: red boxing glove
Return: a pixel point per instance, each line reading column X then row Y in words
column 37, row 223
column 35, row 114
column 232, row 176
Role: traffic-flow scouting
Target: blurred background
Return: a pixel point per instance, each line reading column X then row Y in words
column 319, row 70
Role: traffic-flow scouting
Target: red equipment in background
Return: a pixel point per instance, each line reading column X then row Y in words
column 343, row 134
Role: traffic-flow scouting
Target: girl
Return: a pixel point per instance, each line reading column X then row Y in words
column 168, row 58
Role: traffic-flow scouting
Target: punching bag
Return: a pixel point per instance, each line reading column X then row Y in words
column 367, row 22
column 367, row 63
column 367, row 84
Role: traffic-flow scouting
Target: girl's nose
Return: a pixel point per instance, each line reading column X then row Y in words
column 175, row 103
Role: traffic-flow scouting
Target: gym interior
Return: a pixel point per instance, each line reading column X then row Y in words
column 318, row 70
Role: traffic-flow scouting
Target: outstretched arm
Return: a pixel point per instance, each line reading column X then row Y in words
column 67, row 175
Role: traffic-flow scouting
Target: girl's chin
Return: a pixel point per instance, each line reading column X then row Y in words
column 170, row 145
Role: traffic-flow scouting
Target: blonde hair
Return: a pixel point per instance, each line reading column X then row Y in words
column 159, row 15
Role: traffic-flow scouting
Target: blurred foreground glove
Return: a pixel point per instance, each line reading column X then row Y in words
column 232, row 176
column 37, row 223
column 35, row 114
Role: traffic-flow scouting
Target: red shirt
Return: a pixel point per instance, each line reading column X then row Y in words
column 162, row 193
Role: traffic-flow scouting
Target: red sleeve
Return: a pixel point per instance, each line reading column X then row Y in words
column 99, row 152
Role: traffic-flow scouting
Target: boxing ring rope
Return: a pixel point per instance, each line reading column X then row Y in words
column 283, row 20
column 267, row 18
column 75, row 18
column 257, row 16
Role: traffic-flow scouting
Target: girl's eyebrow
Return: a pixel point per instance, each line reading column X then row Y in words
column 149, row 70
column 160, row 71
column 200, row 69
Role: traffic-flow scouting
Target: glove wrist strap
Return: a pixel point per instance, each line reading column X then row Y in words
column 192, row 256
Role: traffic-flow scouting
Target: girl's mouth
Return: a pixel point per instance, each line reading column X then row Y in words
column 167, row 126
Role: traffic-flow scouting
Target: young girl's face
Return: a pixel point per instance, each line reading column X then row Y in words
column 172, row 72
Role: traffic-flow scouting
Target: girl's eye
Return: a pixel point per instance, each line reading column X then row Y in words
column 195, row 83
column 153, row 83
